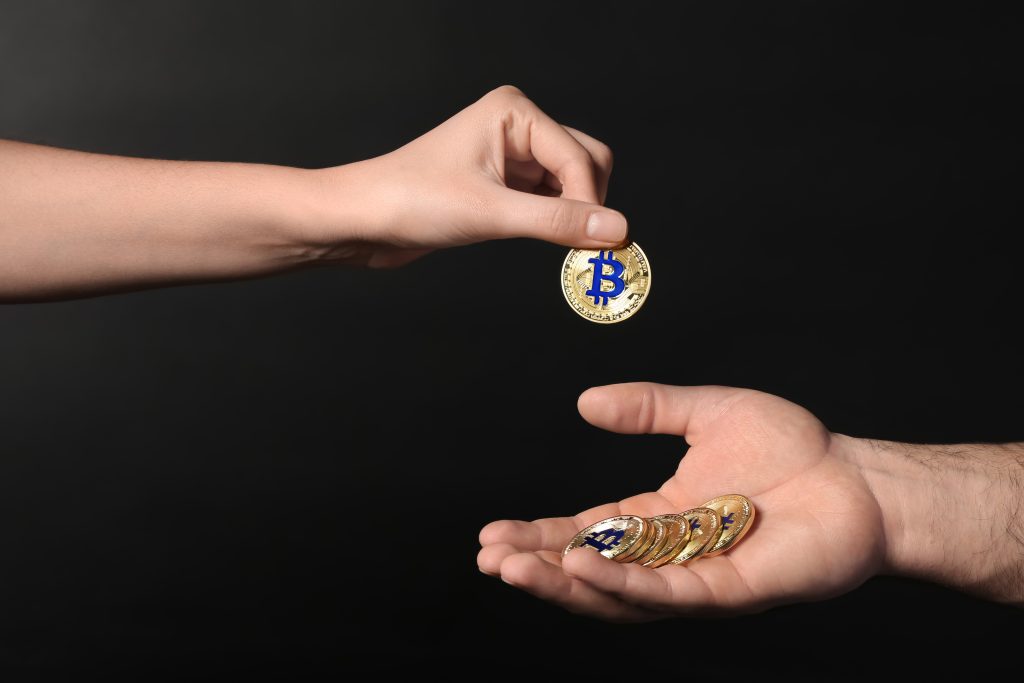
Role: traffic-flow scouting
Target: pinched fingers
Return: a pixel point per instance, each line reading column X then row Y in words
column 532, row 134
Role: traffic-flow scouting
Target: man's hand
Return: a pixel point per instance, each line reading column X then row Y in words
column 831, row 512
column 499, row 168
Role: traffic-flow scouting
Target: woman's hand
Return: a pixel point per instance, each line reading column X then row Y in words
column 499, row 168
column 75, row 224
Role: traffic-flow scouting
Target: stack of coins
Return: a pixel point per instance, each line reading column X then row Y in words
column 676, row 539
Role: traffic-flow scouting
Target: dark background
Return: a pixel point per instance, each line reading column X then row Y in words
column 287, row 476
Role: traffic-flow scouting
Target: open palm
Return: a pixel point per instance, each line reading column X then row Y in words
column 818, row 530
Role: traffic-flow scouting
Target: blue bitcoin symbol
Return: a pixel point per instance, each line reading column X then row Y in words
column 694, row 525
column 605, row 539
column 727, row 521
column 615, row 277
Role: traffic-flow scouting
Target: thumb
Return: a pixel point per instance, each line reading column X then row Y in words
column 553, row 219
column 646, row 408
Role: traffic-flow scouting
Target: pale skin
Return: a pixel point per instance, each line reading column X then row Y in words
column 74, row 224
column 832, row 511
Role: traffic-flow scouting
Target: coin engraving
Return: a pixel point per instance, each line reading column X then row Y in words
column 606, row 286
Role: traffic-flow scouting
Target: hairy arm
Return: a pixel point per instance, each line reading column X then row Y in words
column 833, row 511
column 952, row 513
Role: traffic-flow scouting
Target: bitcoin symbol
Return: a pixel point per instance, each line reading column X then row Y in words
column 615, row 277
column 600, row 539
column 727, row 520
column 694, row 525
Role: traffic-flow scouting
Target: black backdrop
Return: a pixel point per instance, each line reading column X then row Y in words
column 287, row 476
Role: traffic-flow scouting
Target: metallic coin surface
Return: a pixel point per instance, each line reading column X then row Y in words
column 606, row 286
column 705, row 528
column 641, row 546
column 611, row 537
column 676, row 537
column 737, row 513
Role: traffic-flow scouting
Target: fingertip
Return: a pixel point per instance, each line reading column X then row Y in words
column 518, row 569
column 581, row 562
column 626, row 408
column 570, row 561
column 607, row 226
column 589, row 400
column 490, row 557
column 583, row 401
column 494, row 532
column 595, row 404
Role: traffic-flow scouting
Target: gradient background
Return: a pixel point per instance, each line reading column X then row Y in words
column 287, row 476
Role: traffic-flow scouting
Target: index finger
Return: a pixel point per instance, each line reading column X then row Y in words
column 532, row 134
column 602, row 156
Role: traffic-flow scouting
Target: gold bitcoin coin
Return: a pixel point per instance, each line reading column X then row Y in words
column 611, row 537
column 641, row 546
column 705, row 528
column 606, row 286
column 677, row 536
column 737, row 513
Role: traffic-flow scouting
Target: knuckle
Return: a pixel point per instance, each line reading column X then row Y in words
column 562, row 221
column 582, row 158
column 646, row 414
column 506, row 94
column 579, row 165
column 603, row 155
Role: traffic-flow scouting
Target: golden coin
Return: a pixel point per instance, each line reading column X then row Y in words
column 611, row 537
column 606, row 286
column 641, row 546
column 737, row 513
column 705, row 527
column 657, row 544
column 677, row 536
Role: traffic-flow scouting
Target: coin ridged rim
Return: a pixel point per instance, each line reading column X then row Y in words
column 606, row 322
column 577, row 540
column 749, row 512
column 661, row 539
column 685, row 557
column 642, row 545
column 672, row 548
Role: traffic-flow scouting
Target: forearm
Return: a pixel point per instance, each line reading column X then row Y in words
column 952, row 514
column 77, row 224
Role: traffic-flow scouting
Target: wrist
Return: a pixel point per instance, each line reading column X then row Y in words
column 949, row 512
column 339, row 215
column 266, row 215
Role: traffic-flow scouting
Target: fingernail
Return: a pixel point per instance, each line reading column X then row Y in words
column 605, row 226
